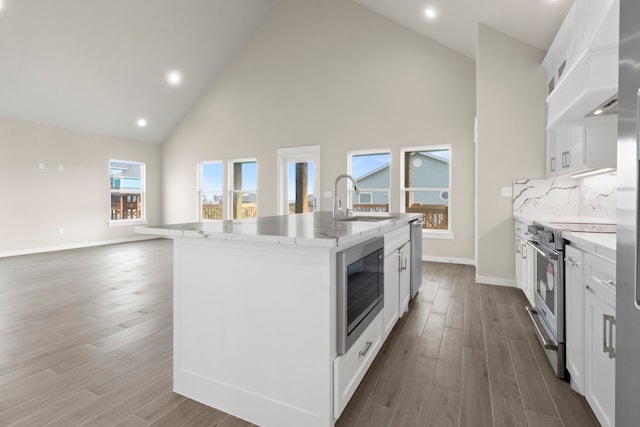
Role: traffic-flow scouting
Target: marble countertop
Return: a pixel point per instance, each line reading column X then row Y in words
column 603, row 244
column 309, row 229
column 550, row 219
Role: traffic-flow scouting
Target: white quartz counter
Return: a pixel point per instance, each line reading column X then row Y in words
column 550, row 219
column 603, row 244
column 309, row 229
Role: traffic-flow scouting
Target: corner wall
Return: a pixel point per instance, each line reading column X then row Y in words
column 335, row 74
column 511, row 88
column 36, row 203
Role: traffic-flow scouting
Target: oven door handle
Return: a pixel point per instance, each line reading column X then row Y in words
column 541, row 250
column 546, row 341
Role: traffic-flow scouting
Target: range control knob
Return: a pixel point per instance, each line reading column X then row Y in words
column 547, row 236
column 533, row 229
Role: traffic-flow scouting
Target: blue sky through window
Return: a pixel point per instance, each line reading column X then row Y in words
column 362, row 164
column 212, row 177
column 249, row 176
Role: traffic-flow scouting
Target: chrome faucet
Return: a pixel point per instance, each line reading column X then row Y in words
column 336, row 210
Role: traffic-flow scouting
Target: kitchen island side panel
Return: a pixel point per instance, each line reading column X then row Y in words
column 254, row 329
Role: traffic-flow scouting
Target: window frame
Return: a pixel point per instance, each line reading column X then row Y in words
column 426, row 232
column 201, row 189
column 368, row 152
column 230, row 183
column 142, row 194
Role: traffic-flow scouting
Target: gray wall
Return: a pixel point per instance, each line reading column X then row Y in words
column 338, row 75
column 36, row 203
column 511, row 142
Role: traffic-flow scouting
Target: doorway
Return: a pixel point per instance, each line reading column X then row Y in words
column 298, row 179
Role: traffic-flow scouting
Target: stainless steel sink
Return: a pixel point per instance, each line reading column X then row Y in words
column 364, row 218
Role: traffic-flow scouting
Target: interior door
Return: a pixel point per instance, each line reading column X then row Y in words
column 298, row 179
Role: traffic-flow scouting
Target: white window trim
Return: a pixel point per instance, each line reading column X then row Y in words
column 428, row 233
column 201, row 190
column 228, row 198
column 350, row 155
column 141, row 193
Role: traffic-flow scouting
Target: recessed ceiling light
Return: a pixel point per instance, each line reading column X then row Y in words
column 1, row 5
column 142, row 122
column 598, row 112
column 430, row 12
column 174, row 77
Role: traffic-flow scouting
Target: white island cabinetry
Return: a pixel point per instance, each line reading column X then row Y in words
column 255, row 316
column 396, row 279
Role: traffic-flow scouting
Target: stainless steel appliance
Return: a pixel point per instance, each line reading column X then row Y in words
column 416, row 256
column 627, row 412
column 360, row 286
column 547, row 313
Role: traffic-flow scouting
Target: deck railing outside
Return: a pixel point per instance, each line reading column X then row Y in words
column 127, row 206
column 214, row 211
column 434, row 217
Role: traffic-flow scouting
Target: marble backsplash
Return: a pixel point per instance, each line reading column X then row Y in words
column 593, row 196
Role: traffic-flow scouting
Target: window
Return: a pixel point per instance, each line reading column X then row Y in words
column 210, row 190
column 370, row 169
column 243, row 189
column 426, row 185
column 126, row 180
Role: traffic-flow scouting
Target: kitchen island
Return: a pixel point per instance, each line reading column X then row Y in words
column 255, row 314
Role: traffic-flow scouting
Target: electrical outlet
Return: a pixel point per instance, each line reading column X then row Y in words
column 61, row 167
column 506, row 192
column 61, row 231
column 327, row 194
column 41, row 166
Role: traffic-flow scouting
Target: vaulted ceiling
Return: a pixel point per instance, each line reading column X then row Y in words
column 101, row 65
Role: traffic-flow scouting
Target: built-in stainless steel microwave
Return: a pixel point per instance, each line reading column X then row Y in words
column 360, row 289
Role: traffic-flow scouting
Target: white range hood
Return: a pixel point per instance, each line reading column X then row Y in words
column 587, row 65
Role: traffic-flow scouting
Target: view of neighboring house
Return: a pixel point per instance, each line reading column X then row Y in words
column 427, row 170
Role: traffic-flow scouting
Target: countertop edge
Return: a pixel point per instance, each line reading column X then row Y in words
column 602, row 244
column 190, row 231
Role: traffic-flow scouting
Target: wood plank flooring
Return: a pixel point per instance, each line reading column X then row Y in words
column 86, row 339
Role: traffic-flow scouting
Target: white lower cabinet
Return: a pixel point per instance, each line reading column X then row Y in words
column 599, row 369
column 525, row 262
column 574, row 315
column 396, row 277
column 350, row 368
column 404, row 260
column 391, row 292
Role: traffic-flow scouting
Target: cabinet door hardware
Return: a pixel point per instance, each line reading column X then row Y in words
column 607, row 335
column 367, row 346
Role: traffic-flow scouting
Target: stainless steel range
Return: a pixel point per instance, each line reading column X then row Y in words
column 549, row 304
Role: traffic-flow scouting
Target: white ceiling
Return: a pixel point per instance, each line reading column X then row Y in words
column 99, row 65
column 534, row 22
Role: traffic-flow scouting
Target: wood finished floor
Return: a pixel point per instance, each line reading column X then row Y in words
column 86, row 339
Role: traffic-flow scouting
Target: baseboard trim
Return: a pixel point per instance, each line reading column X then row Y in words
column 498, row 281
column 74, row 246
column 449, row 260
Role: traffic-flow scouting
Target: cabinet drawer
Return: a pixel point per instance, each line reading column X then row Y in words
column 396, row 238
column 600, row 277
column 349, row 369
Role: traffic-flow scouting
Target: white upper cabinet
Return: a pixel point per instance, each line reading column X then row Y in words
column 581, row 147
column 582, row 62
